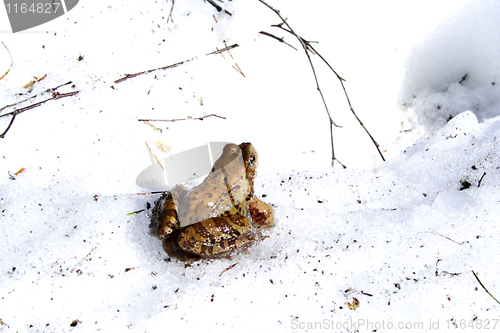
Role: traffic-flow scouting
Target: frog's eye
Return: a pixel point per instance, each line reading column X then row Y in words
column 251, row 161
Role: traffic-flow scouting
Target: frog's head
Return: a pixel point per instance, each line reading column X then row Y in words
column 251, row 160
column 230, row 152
column 250, row 156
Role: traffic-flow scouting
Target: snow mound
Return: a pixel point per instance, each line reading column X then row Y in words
column 456, row 68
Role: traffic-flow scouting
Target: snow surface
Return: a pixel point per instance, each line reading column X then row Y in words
column 402, row 237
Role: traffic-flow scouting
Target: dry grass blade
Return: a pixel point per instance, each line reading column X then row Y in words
column 230, row 267
column 154, row 156
column 477, row 278
column 448, row 238
column 11, row 61
column 170, row 14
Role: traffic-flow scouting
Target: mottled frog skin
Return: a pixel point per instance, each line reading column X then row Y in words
column 217, row 217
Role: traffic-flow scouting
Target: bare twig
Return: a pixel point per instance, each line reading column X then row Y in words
column 130, row 76
column 306, row 45
column 149, row 193
column 341, row 80
column 34, row 96
column 14, row 113
column 219, row 8
column 227, row 48
column 189, row 118
column 480, row 180
column 282, row 39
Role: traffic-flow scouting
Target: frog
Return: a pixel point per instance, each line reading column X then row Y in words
column 217, row 218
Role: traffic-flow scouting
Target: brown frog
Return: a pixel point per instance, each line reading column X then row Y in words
column 220, row 215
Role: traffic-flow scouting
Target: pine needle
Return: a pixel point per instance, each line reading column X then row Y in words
column 485, row 288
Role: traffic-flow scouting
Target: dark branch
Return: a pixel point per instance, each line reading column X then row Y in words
column 227, row 48
column 282, row 39
column 480, row 180
column 34, row 96
column 306, row 45
column 174, row 120
column 341, row 80
column 130, row 76
column 219, row 8
column 14, row 113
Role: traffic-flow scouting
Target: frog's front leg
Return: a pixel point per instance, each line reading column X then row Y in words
column 261, row 212
column 173, row 249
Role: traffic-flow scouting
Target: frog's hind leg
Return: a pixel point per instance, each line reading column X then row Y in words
column 164, row 220
column 173, row 250
column 217, row 237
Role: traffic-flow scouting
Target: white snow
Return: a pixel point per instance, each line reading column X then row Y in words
column 402, row 236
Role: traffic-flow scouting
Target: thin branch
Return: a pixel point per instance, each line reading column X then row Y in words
column 282, row 39
column 55, row 96
column 149, row 193
column 306, row 45
column 130, row 76
column 34, row 96
column 219, row 8
column 341, row 80
column 480, row 180
column 189, row 118
column 227, row 48
column 8, row 127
